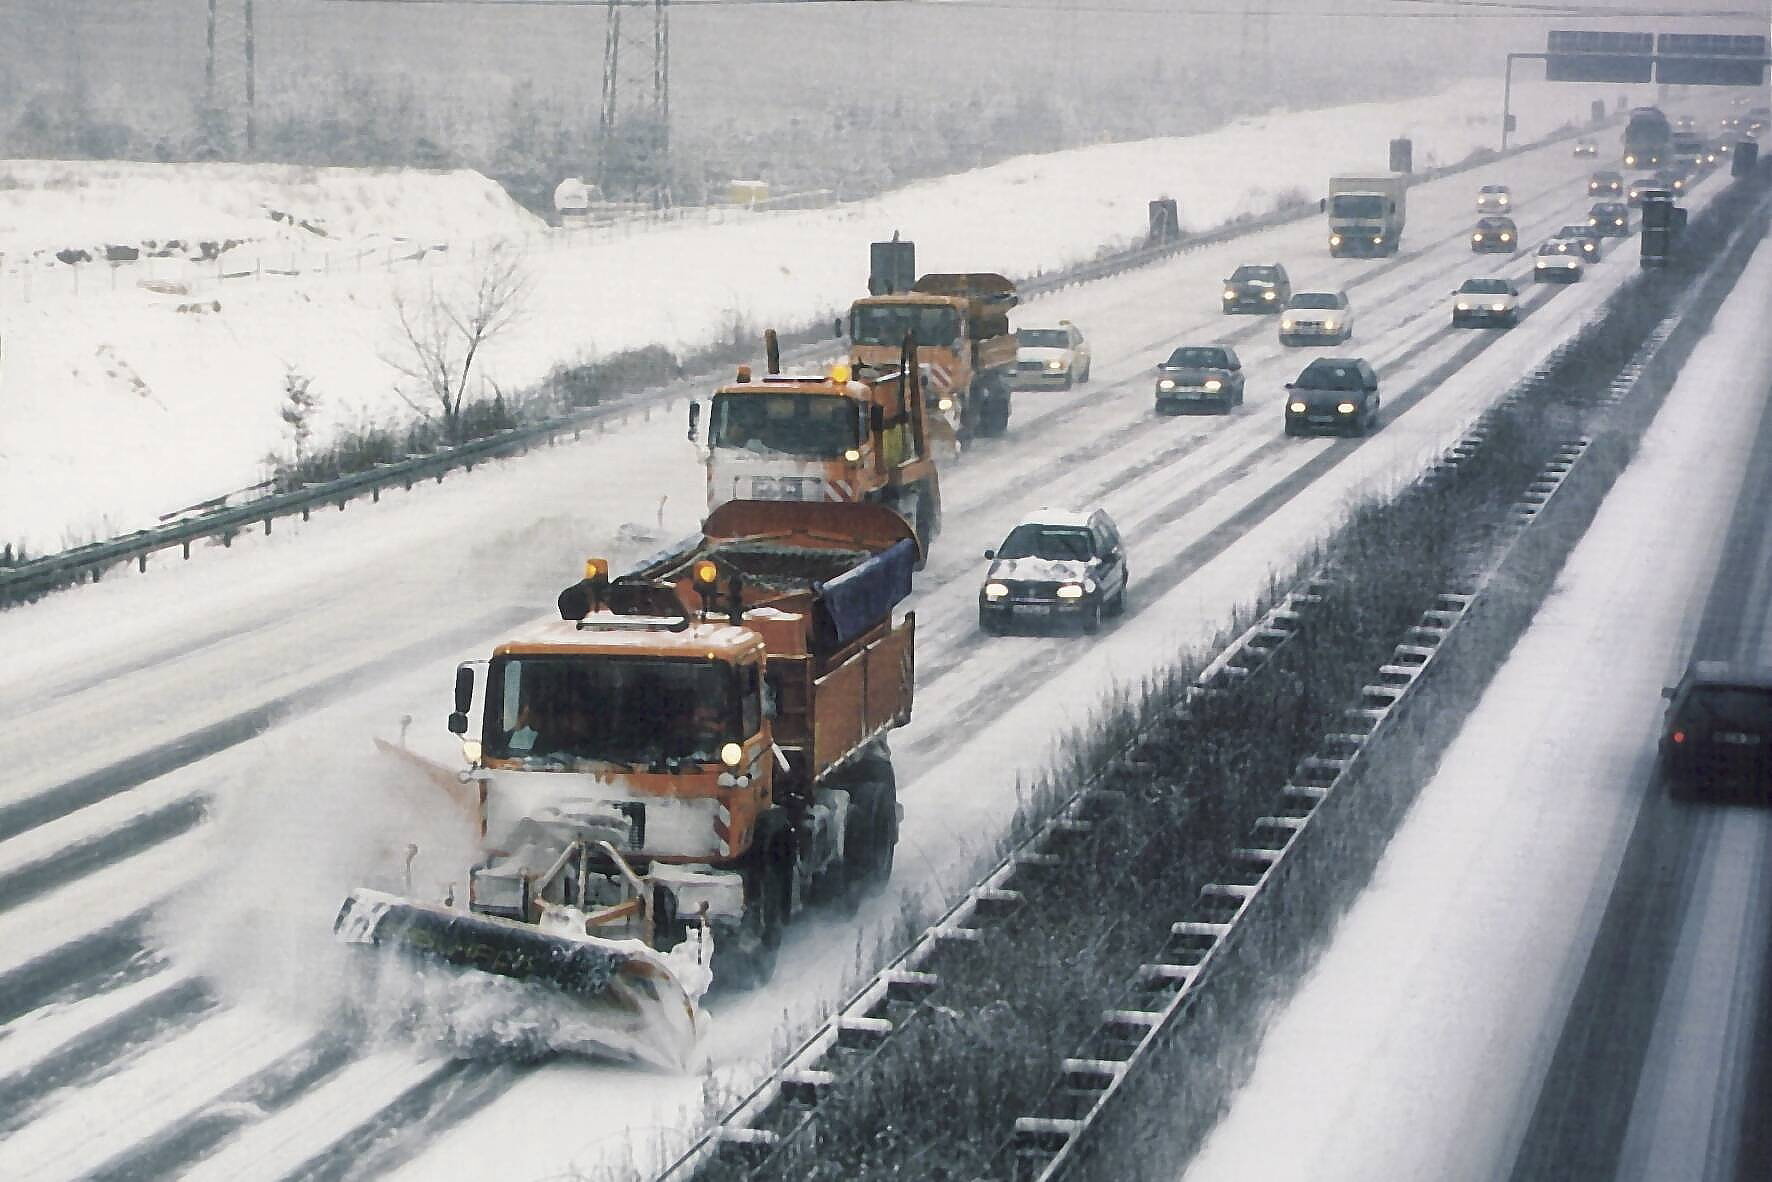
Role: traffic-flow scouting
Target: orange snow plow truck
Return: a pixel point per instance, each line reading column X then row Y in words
column 666, row 775
column 960, row 323
column 859, row 433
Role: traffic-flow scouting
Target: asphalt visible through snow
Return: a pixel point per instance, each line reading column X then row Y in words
column 1664, row 1066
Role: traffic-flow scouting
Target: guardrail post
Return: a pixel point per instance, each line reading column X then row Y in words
column 141, row 562
column 186, row 547
column 267, row 527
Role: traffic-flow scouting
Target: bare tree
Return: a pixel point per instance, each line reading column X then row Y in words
column 443, row 333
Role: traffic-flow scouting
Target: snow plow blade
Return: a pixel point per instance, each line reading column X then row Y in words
column 630, row 1001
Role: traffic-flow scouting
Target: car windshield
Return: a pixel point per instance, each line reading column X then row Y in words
column 887, row 324
column 1485, row 286
column 1495, row 224
column 1553, row 248
column 1043, row 338
column 626, row 710
column 1315, row 299
column 1356, row 205
column 1253, row 275
column 1197, row 357
column 1729, row 707
column 1493, row 190
column 1054, row 543
column 1331, row 375
column 814, row 426
column 1575, row 231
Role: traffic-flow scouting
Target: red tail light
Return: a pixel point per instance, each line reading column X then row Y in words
column 1678, row 736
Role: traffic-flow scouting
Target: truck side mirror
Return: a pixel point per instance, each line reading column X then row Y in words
column 464, row 700
column 1322, row 204
column 837, row 328
column 694, row 420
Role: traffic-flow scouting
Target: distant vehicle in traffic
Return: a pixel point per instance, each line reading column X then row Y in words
column 1605, row 183
column 1633, row 192
column 1586, row 147
column 1558, row 261
column 1367, row 213
column 1494, row 235
column 1486, row 301
column 1684, row 123
column 1716, row 737
column 1334, row 394
column 1200, row 376
column 1316, row 316
column 1589, row 238
column 1051, row 357
column 1056, row 566
column 1611, row 218
column 1646, row 138
column 1494, row 199
column 1671, row 179
column 1257, row 287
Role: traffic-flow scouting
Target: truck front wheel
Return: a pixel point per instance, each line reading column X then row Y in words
column 745, row 958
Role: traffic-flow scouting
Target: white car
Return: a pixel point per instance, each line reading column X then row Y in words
column 1051, row 358
column 1558, row 261
column 1486, row 301
column 1494, row 199
column 1316, row 316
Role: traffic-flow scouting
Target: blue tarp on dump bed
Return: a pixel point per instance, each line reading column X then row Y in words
column 858, row 599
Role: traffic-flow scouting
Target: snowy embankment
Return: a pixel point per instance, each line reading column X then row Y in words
column 117, row 406
column 1484, row 909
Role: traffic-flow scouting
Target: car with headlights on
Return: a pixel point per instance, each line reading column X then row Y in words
column 1047, row 358
column 1494, row 199
column 1605, row 183
column 1334, row 394
column 1495, row 235
column 1671, row 179
column 1257, row 287
column 1585, row 240
column 1486, row 301
column 1316, row 316
column 1586, row 147
column 1198, row 376
column 1611, row 218
column 1057, row 566
column 1716, row 737
column 1558, row 261
column 1633, row 192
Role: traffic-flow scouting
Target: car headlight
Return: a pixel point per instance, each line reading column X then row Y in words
column 995, row 591
column 1331, row 326
column 1071, row 591
column 1463, row 307
column 1296, row 408
column 1506, row 237
column 1618, row 221
column 1378, row 240
column 1346, row 408
column 1630, row 159
column 1268, row 295
column 1593, row 221
column 1055, row 364
column 1230, row 295
column 1213, row 385
column 1477, row 237
column 1498, row 307
column 1166, row 383
column 1288, row 325
column 1501, row 201
column 1335, row 240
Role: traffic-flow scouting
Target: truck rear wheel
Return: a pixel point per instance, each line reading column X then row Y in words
column 871, row 837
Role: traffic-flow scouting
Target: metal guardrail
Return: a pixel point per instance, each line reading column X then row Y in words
column 27, row 580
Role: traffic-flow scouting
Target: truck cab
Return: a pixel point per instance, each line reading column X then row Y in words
column 960, row 326
column 1366, row 214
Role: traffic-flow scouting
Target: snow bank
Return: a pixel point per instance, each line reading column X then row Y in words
column 120, row 401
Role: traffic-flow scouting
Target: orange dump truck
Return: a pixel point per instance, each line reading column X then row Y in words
column 857, row 433
column 669, row 773
column 960, row 323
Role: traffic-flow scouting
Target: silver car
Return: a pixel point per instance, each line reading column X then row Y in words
column 1316, row 317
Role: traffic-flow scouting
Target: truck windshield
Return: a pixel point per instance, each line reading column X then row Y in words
column 810, row 426
column 887, row 324
column 1356, row 205
column 626, row 710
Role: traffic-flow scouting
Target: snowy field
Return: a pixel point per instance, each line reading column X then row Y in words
column 115, row 406
column 274, row 664
column 1484, row 909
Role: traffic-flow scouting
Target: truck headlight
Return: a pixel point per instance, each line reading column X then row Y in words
column 730, row 754
column 1296, row 408
column 995, row 591
column 1213, row 384
column 1166, row 384
column 1071, row 591
column 1055, row 365
column 945, row 404
column 852, row 455
column 1346, row 408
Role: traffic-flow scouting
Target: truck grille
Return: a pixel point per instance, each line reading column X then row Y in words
column 787, row 488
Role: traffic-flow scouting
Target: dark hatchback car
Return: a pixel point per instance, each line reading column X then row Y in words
column 1495, row 235
column 1605, row 183
column 1257, row 287
column 1586, row 239
column 1716, row 739
column 1057, row 566
column 1611, row 218
column 1200, row 375
column 1335, row 394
